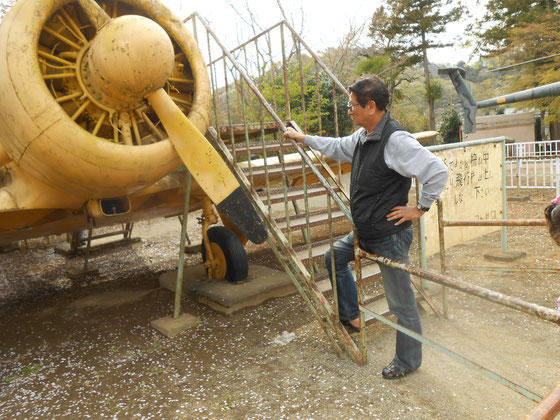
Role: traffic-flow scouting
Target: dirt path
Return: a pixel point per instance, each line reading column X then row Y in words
column 89, row 352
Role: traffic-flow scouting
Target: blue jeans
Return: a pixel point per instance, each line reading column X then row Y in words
column 397, row 285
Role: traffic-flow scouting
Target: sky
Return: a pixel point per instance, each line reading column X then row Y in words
column 325, row 22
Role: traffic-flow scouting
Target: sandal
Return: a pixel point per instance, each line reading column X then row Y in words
column 395, row 371
column 349, row 327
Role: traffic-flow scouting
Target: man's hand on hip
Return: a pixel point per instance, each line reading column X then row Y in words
column 294, row 135
column 404, row 213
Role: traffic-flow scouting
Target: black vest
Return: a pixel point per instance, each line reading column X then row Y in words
column 374, row 188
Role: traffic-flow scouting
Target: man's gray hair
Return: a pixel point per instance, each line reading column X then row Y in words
column 370, row 88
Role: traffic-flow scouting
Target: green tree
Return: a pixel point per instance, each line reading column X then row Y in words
column 494, row 30
column 343, row 58
column 450, row 126
column 520, row 31
column 382, row 60
column 390, row 70
column 410, row 110
column 411, row 28
column 313, row 82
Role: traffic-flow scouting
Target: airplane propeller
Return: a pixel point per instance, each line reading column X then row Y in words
column 122, row 47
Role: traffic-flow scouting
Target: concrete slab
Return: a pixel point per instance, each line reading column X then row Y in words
column 507, row 256
column 170, row 326
column 262, row 284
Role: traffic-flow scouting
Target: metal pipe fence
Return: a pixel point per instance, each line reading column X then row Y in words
column 533, row 165
column 258, row 88
column 490, row 295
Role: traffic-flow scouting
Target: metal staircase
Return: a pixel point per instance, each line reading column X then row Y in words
column 298, row 194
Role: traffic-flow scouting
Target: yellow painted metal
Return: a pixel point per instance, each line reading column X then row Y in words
column 208, row 218
column 54, row 58
column 68, row 97
column 72, row 24
column 219, row 264
column 57, row 163
column 124, row 125
column 180, row 80
column 202, row 160
column 80, row 110
column 116, row 60
column 4, row 157
column 424, row 137
column 62, row 38
column 58, row 75
column 95, row 13
column 98, row 124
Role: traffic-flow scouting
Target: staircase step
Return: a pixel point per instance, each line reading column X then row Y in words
column 370, row 272
column 295, row 193
column 316, row 218
column 259, row 148
column 275, row 171
column 318, row 249
column 253, row 130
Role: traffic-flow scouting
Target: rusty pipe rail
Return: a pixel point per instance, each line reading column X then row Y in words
column 505, row 269
column 496, row 297
column 280, row 123
column 501, row 222
column 517, row 388
column 548, row 408
column 536, row 157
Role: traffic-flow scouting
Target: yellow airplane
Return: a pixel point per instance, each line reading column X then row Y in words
column 100, row 103
column 81, row 86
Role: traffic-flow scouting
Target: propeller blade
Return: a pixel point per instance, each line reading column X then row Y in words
column 207, row 167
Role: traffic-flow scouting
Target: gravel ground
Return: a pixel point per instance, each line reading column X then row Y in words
column 86, row 349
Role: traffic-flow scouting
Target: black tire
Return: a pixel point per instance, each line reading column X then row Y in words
column 237, row 264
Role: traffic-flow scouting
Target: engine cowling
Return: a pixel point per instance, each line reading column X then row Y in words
column 60, row 124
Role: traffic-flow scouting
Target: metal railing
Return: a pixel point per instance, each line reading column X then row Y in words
column 533, row 165
column 273, row 178
column 258, row 90
column 547, row 407
column 533, row 149
column 514, row 303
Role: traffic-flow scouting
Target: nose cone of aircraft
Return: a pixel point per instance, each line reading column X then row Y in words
column 130, row 57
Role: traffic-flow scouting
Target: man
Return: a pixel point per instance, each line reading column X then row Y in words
column 384, row 158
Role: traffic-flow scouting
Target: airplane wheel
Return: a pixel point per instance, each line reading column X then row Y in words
column 230, row 254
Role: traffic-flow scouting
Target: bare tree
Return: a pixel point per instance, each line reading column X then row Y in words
column 342, row 60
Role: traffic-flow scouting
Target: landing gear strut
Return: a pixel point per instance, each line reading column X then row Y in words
column 223, row 253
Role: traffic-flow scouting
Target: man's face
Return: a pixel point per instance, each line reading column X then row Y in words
column 360, row 115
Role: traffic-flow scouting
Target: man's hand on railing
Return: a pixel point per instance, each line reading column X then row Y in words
column 294, row 135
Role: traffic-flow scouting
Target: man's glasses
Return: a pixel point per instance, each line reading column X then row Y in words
column 350, row 105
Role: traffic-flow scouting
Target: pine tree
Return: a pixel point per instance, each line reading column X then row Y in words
column 520, row 31
column 494, row 29
column 450, row 126
column 411, row 27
